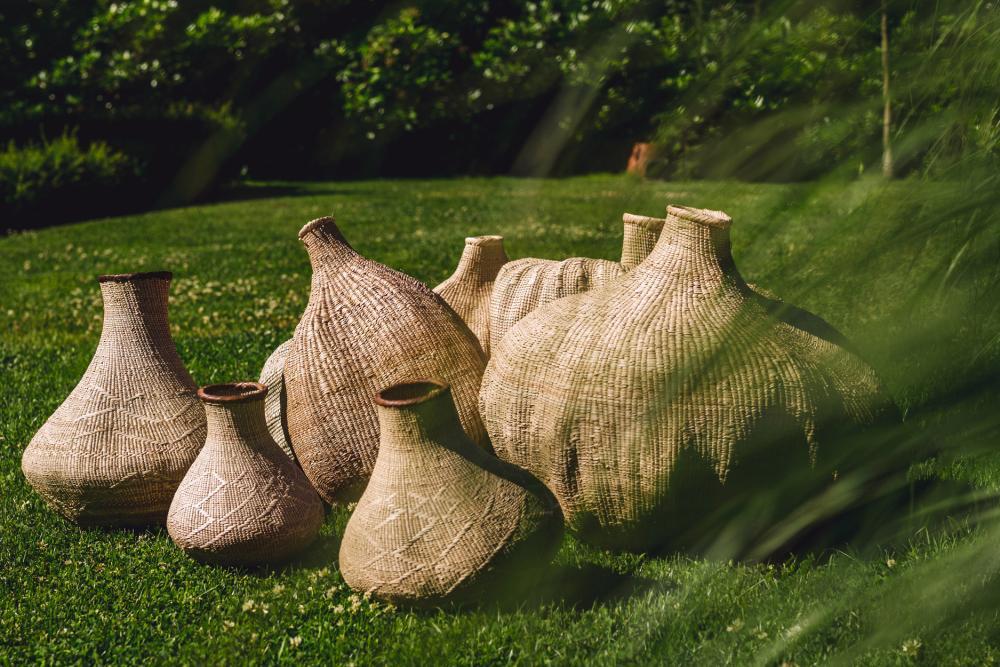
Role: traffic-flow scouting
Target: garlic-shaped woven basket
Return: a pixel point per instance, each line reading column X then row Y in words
column 525, row 284
column 242, row 502
column 441, row 520
column 366, row 326
column 675, row 406
column 114, row 452
column 469, row 288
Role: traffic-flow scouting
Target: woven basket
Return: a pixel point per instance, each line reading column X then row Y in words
column 525, row 284
column 272, row 376
column 366, row 326
column 114, row 452
column 242, row 502
column 639, row 238
column 656, row 404
column 468, row 290
column 441, row 520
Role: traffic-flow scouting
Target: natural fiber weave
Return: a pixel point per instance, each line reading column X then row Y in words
column 468, row 290
column 639, row 238
column 242, row 502
column 649, row 403
column 114, row 452
column 441, row 520
column 526, row 284
column 272, row 376
column 366, row 326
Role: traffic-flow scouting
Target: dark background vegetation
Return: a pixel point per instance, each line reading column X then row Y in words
column 127, row 105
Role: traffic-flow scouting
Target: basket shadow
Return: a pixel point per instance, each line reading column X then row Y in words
column 582, row 587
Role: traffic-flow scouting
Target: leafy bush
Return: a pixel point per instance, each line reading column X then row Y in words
column 59, row 173
column 762, row 91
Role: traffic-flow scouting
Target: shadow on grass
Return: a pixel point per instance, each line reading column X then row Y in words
column 579, row 587
column 583, row 587
column 574, row 586
column 252, row 191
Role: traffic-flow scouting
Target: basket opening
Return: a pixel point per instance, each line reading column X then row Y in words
column 232, row 392
column 484, row 240
column 703, row 216
column 129, row 277
column 409, row 393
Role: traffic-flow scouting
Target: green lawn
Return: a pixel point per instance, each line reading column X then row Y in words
column 909, row 271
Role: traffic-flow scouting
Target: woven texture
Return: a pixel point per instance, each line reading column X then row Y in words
column 442, row 520
column 243, row 502
column 468, row 290
column 114, row 452
column 640, row 233
column 366, row 326
column 272, row 376
column 648, row 403
column 526, row 284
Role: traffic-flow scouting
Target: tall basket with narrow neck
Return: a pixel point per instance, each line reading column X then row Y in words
column 664, row 404
column 469, row 288
column 114, row 452
column 366, row 326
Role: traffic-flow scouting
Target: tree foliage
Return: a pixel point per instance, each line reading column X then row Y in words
column 725, row 88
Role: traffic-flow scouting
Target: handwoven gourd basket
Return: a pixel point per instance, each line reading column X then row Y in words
column 442, row 520
column 242, row 502
column 673, row 406
column 366, row 326
column 469, row 288
column 114, row 452
column 272, row 375
column 525, row 284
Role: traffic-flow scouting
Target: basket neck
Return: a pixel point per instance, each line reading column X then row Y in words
column 421, row 427
column 135, row 312
column 639, row 238
column 694, row 247
column 482, row 258
column 237, row 425
column 327, row 247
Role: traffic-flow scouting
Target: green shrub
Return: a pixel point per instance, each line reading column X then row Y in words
column 39, row 175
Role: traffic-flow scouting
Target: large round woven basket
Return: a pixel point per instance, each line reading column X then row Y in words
column 525, row 284
column 469, row 288
column 242, row 502
column 366, row 326
column 674, row 405
column 442, row 520
column 114, row 452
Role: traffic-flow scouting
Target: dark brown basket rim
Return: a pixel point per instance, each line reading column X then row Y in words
column 232, row 392
column 430, row 389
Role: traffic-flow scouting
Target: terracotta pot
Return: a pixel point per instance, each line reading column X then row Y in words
column 526, row 284
column 468, row 290
column 243, row 502
column 114, row 452
column 441, row 520
column 272, row 375
column 656, row 404
column 366, row 326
